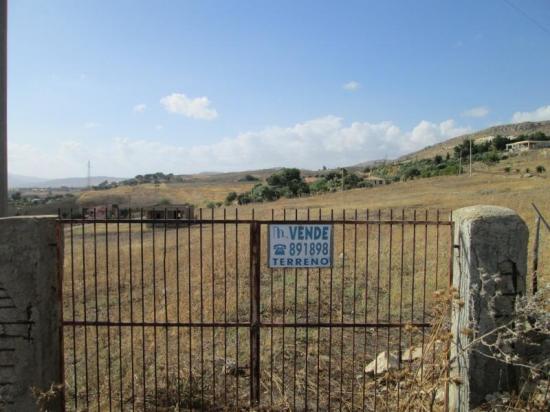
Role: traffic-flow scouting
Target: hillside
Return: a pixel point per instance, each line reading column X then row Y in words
column 147, row 195
column 503, row 130
column 19, row 181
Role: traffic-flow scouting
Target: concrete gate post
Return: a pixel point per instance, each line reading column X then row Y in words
column 489, row 273
column 30, row 312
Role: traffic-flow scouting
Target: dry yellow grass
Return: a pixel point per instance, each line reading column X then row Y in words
column 178, row 285
column 196, row 193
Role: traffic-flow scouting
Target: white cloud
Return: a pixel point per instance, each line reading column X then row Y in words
column 479, row 111
column 91, row 125
column 159, row 127
column 351, row 86
column 540, row 114
column 196, row 108
column 323, row 141
column 140, row 108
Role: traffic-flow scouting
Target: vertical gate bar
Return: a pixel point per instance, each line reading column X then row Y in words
column 190, row 303
column 450, row 284
column 389, row 298
column 378, row 240
column 354, row 309
column 318, row 331
column 413, row 275
column 201, row 290
column 237, row 302
column 60, row 247
column 307, row 331
column 225, row 304
column 437, row 215
column 366, row 303
column 119, row 288
column 401, row 299
column 437, row 251
column 424, row 293
column 155, row 314
column 96, row 314
column 212, row 263
column 165, row 293
column 283, row 380
column 255, row 250
column 86, row 383
column 295, row 328
column 178, row 318
column 144, row 376
column 130, row 268
column 342, row 301
column 272, row 310
column 108, row 310
column 330, row 326
column 75, row 382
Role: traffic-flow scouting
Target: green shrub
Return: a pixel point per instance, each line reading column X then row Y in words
column 230, row 198
column 243, row 198
column 249, row 178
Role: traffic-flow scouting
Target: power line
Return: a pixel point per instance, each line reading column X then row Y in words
column 527, row 16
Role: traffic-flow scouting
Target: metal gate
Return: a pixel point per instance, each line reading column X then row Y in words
column 161, row 314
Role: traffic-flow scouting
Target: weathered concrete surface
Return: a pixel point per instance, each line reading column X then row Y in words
column 489, row 273
column 30, row 311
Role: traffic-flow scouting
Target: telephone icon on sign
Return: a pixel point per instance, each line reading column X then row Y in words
column 279, row 249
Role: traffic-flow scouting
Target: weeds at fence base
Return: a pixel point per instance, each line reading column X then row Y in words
column 178, row 396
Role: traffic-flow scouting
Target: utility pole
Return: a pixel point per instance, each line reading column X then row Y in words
column 470, row 157
column 3, row 108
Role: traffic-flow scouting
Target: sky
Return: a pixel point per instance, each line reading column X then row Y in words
column 138, row 86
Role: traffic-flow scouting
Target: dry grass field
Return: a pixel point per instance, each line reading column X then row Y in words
column 121, row 274
column 198, row 193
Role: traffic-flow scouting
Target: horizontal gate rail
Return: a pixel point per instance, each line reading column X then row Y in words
column 183, row 222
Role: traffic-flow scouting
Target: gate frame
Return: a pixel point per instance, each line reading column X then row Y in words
column 255, row 260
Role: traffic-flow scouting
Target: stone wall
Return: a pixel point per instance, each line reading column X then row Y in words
column 30, row 311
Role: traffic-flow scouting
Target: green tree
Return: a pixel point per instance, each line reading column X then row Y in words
column 499, row 143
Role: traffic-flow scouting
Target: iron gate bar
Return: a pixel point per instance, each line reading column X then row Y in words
column 255, row 250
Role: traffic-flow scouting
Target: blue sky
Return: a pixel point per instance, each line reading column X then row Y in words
column 188, row 86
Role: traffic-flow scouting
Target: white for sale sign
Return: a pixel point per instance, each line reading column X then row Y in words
column 300, row 245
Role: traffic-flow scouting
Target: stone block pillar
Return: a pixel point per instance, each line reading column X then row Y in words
column 490, row 267
column 30, row 311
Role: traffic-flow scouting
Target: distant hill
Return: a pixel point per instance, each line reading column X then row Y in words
column 503, row 130
column 18, row 181
column 23, row 181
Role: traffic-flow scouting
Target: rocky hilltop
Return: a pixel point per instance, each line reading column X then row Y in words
column 515, row 129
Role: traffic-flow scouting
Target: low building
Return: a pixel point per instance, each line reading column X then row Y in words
column 526, row 145
column 375, row 180
column 170, row 213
